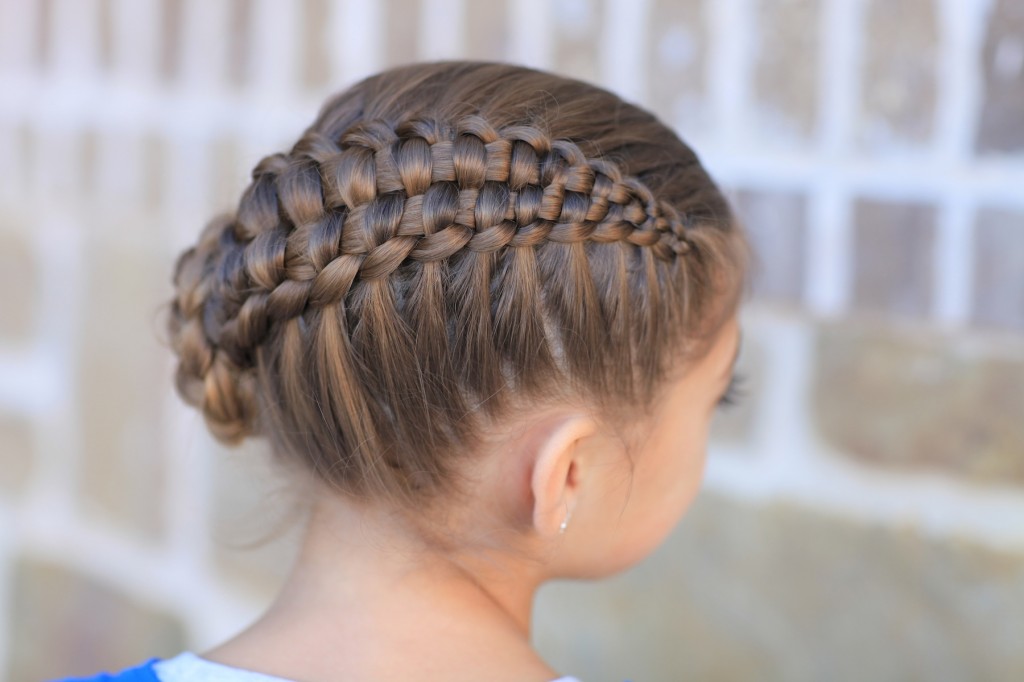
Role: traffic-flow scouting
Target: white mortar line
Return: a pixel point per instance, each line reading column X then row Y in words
column 145, row 573
column 57, row 244
column 530, row 42
column 29, row 381
column 728, row 75
column 355, row 40
column 187, row 514
column 6, row 582
column 781, row 421
column 202, row 55
column 959, row 101
column 442, row 29
column 177, row 114
column 137, row 40
column 18, row 29
column 273, row 46
column 939, row 506
column 11, row 170
column 954, row 256
column 789, row 462
column 839, row 87
column 829, row 265
column 992, row 180
column 962, row 27
column 74, row 39
column 623, row 70
column 829, row 252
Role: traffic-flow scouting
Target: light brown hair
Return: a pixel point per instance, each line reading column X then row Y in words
column 447, row 243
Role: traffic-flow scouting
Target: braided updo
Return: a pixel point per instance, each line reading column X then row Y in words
column 445, row 243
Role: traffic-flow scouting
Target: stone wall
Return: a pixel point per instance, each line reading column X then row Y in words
column 863, row 513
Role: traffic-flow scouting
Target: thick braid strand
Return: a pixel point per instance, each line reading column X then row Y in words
column 334, row 210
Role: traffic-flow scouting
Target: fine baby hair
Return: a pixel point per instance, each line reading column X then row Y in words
column 447, row 246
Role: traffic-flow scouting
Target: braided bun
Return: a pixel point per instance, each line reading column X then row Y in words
column 404, row 262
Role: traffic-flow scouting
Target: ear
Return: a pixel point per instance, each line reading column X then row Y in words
column 557, row 470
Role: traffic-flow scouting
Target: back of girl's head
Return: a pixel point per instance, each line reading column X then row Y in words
column 447, row 247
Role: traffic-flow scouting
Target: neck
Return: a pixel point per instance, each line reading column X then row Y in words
column 359, row 563
column 361, row 587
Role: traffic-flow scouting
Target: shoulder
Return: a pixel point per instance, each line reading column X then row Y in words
column 143, row 672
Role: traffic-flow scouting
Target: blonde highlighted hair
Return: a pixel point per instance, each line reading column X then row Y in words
column 445, row 243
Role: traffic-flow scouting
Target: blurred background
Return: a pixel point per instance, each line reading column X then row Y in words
column 863, row 512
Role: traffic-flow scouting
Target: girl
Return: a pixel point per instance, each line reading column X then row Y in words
column 486, row 313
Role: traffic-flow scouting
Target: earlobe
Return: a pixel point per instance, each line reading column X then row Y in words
column 557, row 472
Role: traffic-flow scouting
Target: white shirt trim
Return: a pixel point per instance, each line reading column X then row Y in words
column 188, row 667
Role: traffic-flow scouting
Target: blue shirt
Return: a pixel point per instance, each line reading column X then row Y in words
column 188, row 667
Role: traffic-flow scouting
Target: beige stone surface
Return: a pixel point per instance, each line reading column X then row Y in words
column 154, row 169
column 745, row 591
column 240, row 42
column 121, row 380
column 401, row 39
column 576, row 37
column 999, row 268
column 677, row 62
column 1001, row 120
column 777, row 225
column 19, row 280
column 741, row 591
column 488, row 31
column 918, row 400
column 227, row 180
column 67, row 624
column 893, row 257
column 88, row 144
column 787, row 60
column 735, row 424
column 16, row 453
column 899, row 80
column 315, row 49
column 255, row 518
column 171, row 39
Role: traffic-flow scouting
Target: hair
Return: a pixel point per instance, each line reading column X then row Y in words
column 448, row 245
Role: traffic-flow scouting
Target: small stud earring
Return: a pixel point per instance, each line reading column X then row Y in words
column 565, row 522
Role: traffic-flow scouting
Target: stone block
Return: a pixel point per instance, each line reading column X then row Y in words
column 316, row 54
column 735, row 424
column 26, row 149
column 401, row 38
column 154, row 170
column 894, row 245
column 43, row 44
column 13, row 161
column 19, row 280
column 239, row 36
column 900, row 73
column 1001, row 122
column 999, row 268
column 487, row 30
column 677, row 63
column 744, row 591
column 88, row 143
column 64, row 624
column 172, row 38
column 121, row 380
column 787, row 58
column 256, row 517
column 576, row 38
column 16, row 453
column 920, row 401
column 105, row 35
column 227, row 181
column 777, row 225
